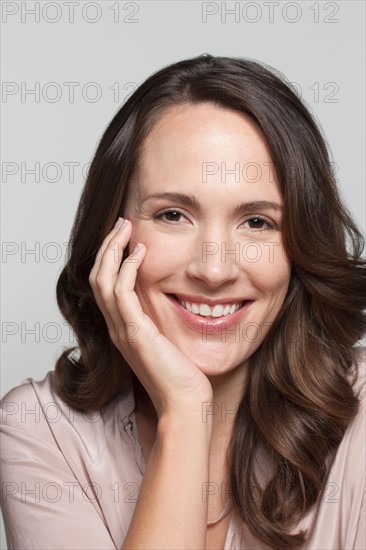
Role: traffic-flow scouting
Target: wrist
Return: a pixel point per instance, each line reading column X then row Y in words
column 186, row 422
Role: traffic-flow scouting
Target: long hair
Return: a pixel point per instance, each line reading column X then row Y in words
column 299, row 399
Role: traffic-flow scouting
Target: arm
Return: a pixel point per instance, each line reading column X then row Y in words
column 171, row 512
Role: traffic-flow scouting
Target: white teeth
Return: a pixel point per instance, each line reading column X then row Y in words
column 217, row 311
column 206, row 311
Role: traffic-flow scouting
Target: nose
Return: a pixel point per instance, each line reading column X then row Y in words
column 214, row 262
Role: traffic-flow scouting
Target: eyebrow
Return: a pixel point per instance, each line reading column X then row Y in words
column 191, row 201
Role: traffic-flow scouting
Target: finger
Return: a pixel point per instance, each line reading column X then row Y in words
column 105, row 244
column 106, row 278
column 101, row 256
column 119, row 304
column 126, row 298
column 112, row 251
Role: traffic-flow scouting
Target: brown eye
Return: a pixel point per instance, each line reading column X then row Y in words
column 256, row 223
column 172, row 215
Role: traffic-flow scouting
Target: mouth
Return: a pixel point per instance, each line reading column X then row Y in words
column 202, row 309
column 213, row 313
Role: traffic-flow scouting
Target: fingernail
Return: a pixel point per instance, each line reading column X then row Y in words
column 123, row 224
column 119, row 220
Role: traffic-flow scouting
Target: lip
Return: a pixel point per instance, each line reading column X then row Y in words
column 212, row 326
column 209, row 301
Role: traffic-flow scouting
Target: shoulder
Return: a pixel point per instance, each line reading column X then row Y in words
column 34, row 409
column 28, row 388
column 339, row 519
column 51, row 453
column 348, row 470
column 32, row 402
column 22, row 406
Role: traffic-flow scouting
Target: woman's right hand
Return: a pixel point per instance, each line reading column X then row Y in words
column 172, row 381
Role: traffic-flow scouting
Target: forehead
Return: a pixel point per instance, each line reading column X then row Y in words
column 204, row 144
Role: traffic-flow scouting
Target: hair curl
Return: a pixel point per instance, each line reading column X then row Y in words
column 299, row 398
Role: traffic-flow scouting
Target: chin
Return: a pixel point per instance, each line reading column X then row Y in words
column 213, row 359
column 211, row 371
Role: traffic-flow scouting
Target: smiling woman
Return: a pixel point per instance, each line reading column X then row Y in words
column 216, row 395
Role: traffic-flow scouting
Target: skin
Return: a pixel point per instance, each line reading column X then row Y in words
column 181, row 373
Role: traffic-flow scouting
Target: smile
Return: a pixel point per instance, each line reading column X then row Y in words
column 219, row 316
column 206, row 311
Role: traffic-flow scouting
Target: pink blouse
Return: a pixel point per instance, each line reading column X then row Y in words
column 70, row 480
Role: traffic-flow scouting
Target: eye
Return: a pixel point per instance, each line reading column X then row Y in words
column 172, row 216
column 258, row 223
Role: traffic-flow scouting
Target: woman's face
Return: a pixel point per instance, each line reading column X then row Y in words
column 207, row 206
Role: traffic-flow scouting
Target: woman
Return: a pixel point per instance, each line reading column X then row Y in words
column 216, row 396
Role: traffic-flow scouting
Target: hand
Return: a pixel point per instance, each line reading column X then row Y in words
column 172, row 381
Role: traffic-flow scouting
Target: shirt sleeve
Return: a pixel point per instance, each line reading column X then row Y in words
column 43, row 504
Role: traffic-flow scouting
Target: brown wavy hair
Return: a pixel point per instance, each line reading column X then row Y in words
column 300, row 396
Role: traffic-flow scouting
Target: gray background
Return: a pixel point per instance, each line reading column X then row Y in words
column 106, row 52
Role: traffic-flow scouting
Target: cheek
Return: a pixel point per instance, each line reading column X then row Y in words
column 271, row 271
column 162, row 258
